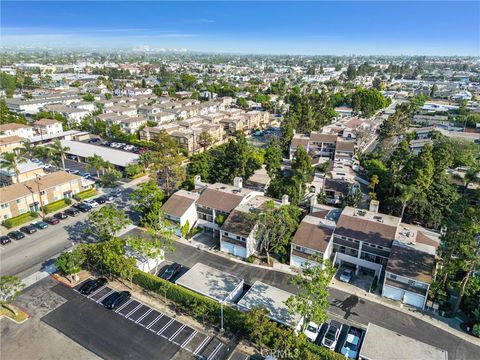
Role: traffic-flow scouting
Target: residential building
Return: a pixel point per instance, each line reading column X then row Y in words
column 48, row 127
column 14, row 129
column 180, row 208
column 10, row 143
column 27, row 170
column 31, row 195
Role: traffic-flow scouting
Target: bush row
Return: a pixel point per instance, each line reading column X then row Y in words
column 85, row 194
column 19, row 220
column 55, row 206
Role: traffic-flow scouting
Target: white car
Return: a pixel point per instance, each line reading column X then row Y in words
column 346, row 275
column 351, row 345
column 331, row 336
column 128, row 147
column 311, row 331
column 91, row 203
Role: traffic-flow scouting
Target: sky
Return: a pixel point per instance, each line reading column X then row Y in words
column 270, row 27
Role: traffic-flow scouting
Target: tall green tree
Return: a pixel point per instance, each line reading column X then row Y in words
column 106, row 222
column 147, row 196
column 70, row 263
column 273, row 158
column 11, row 161
column 59, row 151
column 260, row 328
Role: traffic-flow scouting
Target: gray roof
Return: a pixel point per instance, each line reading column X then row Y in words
column 213, row 283
column 116, row 157
column 381, row 343
column 272, row 299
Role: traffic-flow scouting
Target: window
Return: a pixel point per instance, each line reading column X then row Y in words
column 356, row 241
column 394, row 277
column 411, row 282
column 225, row 233
column 4, row 206
column 379, row 247
column 19, row 201
column 42, row 192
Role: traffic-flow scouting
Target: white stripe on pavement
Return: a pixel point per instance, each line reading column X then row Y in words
column 131, row 312
column 124, row 305
column 104, row 296
column 141, row 317
column 189, row 338
column 153, row 322
column 166, row 325
column 176, row 333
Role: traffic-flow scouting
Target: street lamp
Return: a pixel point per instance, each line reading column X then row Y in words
column 221, row 316
column 37, row 178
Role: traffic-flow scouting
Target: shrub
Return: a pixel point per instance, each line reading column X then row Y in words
column 250, row 259
column 194, row 231
column 19, row 220
column 68, row 201
column 476, row 330
column 55, row 206
column 220, row 219
column 85, row 194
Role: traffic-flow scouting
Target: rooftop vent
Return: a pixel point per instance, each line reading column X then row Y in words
column 378, row 218
column 361, row 212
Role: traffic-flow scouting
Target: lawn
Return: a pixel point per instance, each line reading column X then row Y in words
column 20, row 317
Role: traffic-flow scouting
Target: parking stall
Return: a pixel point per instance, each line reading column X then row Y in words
column 171, row 330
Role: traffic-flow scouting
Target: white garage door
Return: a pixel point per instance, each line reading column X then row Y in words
column 240, row 251
column 414, row 299
column 392, row 293
column 227, row 247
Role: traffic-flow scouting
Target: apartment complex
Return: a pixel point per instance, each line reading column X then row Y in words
column 322, row 146
column 31, row 195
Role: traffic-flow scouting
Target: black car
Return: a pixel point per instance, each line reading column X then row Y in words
column 40, row 225
column 52, row 220
column 171, row 271
column 101, row 199
column 29, row 229
column 91, row 285
column 15, row 235
column 72, row 211
column 5, row 240
column 60, row 216
column 116, row 299
column 83, row 207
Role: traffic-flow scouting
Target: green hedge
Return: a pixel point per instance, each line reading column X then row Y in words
column 55, row 206
column 85, row 194
column 19, row 220
column 320, row 352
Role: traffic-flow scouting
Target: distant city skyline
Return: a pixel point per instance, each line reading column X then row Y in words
column 306, row 28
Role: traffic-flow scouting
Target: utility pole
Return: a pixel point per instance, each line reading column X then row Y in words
column 221, row 318
column 37, row 178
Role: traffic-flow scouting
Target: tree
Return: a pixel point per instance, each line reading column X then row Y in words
column 273, row 158
column 145, row 197
column 89, row 97
column 59, row 151
column 260, row 328
column 205, row 139
column 374, row 181
column 407, row 193
column 368, row 101
column 274, row 227
column 10, row 288
column 351, row 72
column 70, row 263
column 106, row 222
column 302, row 169
column 185, row 229
column 111, row 178
column 11, row 161
column 133, row 169
column 311, row 301
column 96, row 162
column 170, row 172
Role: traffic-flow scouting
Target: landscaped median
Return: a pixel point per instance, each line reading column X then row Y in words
column 14, row 313
column 85, row 194
column 57, row 205
column 19, row 220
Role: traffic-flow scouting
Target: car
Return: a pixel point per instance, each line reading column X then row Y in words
column 91, row 202
column 60, row 216
column 52, row 220
column 28, row 229
column 15, row 235
column 35, row 161
column 5, row 240
column 170, row 271
column 346, row 275
column 40, row 225
column 85, row 175
column 128, row 147
column 75, row 172
column 101, row 199
column 72, row 212
column 91, row 285
column 116, row 192
column 312, row 330
column 351, row 344
column 48, row 166
column 83, row 207
column 330, row 338
column 116, row 299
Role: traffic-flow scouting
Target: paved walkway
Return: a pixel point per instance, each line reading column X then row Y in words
column 450, row 325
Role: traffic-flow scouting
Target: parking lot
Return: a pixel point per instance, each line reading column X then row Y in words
column 135, row 322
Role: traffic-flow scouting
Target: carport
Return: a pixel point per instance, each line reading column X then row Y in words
column 357, row 263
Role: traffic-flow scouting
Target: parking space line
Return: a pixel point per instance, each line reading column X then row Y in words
column 153, row 322
column 197, row 350
column 166, row 325
column 141, row 317
column 104, row 296
column 131, row 312
column 95, row 292
column 215, row 351
column 176, row 333
column 121, row 307
column 190, row 338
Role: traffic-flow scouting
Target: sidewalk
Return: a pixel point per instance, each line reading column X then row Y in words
column 450, row 325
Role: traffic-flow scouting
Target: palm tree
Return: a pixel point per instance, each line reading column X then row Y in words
column 407, row 193
column 28, row 150
column 96, row 162
column 10, row 161
column 59, row 151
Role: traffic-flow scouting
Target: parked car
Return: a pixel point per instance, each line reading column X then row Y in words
column 15, row 235
column 346, row 275
column 83, row 207
column 91, row 285
column 5, row 240
column 101, row 199
column 312, row 330
column 91, row 202
column 86, row 175
column 331, row 336
column 28, row 229
column 75, row 172
column 60, row 216
column 116, row 192
column 40, row 225
column 116, row 299
column 170, row 271
column 128, row 147
column 72, row 212
column 52, row 220
column 352, row 343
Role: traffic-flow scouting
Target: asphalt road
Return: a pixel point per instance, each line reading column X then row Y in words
column 345, row 307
